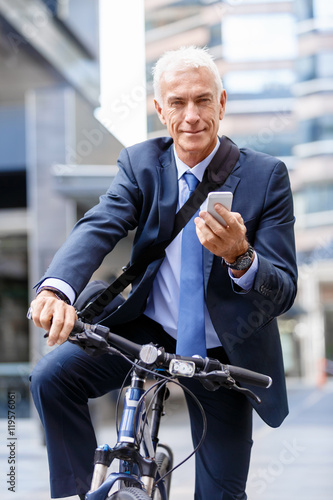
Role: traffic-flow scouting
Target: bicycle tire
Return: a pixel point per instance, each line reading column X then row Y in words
column 129, row 494
column 164, row 463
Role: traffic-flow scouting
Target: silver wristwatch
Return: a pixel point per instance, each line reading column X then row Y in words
column 243, row 261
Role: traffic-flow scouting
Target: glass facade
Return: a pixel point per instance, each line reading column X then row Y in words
column 322, row 9
column 317, row 10
column 319, row 128
column 315, row 102
column 314, row 199
column 304, row 9
column 14, row 336
column 267, row 141
column 12, row 137
column 315, row 66
column 80, row 18
column 243, row 36
column 259, row 84
column 259, row 48
column 13, row 157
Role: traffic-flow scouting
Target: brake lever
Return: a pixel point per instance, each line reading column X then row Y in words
column 92, row 344
column 248, row 392
column 215, row 379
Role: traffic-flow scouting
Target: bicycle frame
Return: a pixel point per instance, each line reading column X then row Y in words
column 136, row 468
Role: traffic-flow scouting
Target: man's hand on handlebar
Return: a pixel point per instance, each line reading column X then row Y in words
column 54, row 316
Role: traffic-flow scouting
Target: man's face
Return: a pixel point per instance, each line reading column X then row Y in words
column 191, row 109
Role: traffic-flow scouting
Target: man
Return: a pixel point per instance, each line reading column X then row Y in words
column 244, row 289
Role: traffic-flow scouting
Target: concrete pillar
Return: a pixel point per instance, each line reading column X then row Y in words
column 51, row 216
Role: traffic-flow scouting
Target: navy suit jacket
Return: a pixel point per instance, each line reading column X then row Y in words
column 144, row 196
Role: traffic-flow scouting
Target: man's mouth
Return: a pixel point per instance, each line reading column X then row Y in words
column 192, row 132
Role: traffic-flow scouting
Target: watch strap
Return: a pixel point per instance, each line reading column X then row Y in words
column 243, row 261
column 60, row 295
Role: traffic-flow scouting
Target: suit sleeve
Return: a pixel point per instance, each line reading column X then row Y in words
column 96, row 234
column 275, row 283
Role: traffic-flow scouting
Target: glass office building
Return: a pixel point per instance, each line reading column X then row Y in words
column 313, row 177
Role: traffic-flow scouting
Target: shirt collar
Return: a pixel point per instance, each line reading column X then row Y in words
column 199, row 169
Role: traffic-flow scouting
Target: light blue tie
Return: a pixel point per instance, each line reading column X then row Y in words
column 191, row 337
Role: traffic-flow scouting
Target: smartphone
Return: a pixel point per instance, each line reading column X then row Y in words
column 223, row 197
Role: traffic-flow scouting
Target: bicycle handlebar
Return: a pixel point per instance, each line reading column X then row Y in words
column 210, row 369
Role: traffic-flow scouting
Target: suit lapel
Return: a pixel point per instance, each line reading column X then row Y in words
column 167, row 192
column 208, row 257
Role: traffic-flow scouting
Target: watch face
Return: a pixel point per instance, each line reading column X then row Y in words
column 244, row 261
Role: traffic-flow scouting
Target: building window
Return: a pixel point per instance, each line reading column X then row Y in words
column 322, row 9
column 259, row 84
column 304, row 9
column 14, row 335
column 215, row 35
column 325, row 64
column 316, row 129
column 80, row 18
column 243, row 37
column 315, row 66
column 314, row 199
column 279, row 145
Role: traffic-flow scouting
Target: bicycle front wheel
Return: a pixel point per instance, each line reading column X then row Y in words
column 164, row 462
column 129, row 494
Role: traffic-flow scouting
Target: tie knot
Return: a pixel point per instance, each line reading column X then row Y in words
column 191, row 180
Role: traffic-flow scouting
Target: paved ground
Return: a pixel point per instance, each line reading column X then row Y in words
column 290, row 463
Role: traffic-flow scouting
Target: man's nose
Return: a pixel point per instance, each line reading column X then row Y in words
column 192, row 113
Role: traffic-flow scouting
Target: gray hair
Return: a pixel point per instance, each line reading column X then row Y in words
column 180, row 59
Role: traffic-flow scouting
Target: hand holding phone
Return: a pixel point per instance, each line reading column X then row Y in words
column 222, row 197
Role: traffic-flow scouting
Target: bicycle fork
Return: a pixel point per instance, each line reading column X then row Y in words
column 127, row 448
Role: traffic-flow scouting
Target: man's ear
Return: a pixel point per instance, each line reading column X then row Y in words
column 223, row 100
column 159, row 112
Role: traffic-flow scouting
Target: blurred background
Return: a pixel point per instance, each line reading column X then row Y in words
column 76, row 87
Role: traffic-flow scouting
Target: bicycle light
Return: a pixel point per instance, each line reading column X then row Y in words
column 182, row 368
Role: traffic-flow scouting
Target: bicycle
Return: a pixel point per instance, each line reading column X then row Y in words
column 146, row 465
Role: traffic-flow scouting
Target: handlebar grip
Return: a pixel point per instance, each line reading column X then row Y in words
column 79, row 326
column 124, row 344
column 249, row 377
column 120, row 342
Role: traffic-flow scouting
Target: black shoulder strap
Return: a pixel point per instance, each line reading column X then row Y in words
column 215, row 176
